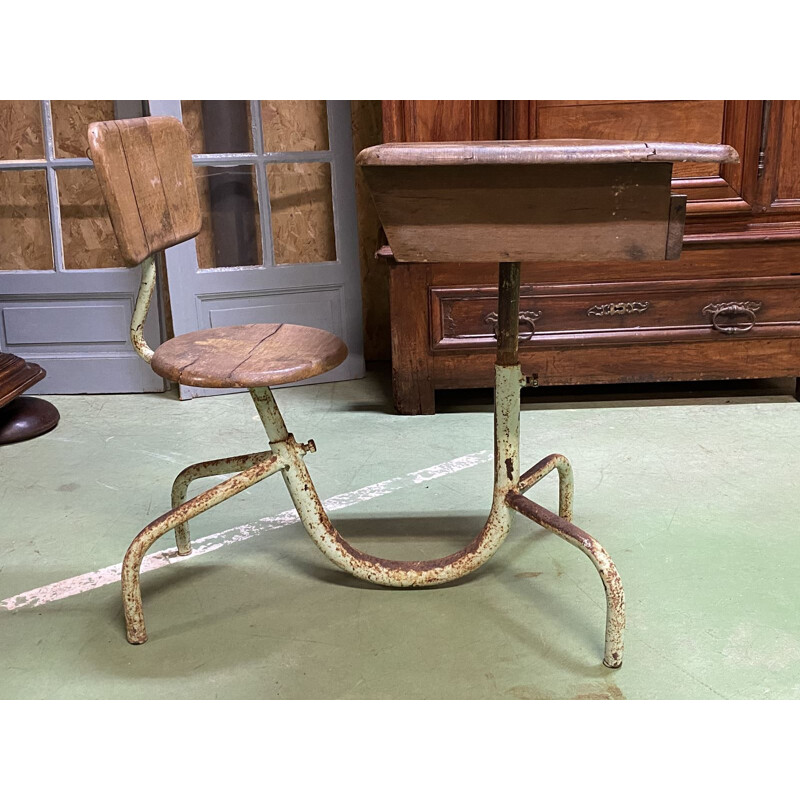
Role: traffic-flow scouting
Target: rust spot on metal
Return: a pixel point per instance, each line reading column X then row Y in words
column 510, row 468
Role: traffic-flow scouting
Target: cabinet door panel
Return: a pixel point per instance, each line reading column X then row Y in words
column 668, row 121
column 781, row 157
column 440, row 120
column 711, row 188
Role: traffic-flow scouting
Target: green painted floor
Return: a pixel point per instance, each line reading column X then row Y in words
column 695, row 497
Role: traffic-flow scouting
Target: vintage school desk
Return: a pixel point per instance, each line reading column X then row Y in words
column 508, row 202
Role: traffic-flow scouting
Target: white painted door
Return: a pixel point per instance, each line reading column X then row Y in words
column 65, row 298
column 279, row 241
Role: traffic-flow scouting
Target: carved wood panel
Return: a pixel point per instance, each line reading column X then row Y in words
column 440, row 120
column 711, row 189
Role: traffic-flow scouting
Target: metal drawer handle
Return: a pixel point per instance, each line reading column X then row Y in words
column 747, row 307
column 525, row 318
column 611, row 309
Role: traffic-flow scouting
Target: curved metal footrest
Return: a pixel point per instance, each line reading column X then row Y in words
column 205, row 469
column 566, row 484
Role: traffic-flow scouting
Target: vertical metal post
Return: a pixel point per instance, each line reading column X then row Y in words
column 508, row 314
column 508, row 378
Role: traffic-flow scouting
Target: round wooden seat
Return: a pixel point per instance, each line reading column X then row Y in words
column 245, row 356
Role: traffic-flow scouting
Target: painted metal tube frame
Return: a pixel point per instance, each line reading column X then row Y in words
column 287, row 456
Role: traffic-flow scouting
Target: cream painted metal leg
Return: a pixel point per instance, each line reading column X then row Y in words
column 287, row 456
column 131, row 565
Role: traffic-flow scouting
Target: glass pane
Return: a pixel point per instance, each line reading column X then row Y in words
column 302, row 213
column 291, row 125
column 20, row 129
column 218, row 126
column 89, row 241
column 24, row 222
column 71, row 120
column 231, row 234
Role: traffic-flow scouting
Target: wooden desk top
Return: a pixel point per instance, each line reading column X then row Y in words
column 542, row 151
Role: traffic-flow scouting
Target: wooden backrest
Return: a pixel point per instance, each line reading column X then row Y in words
column 145, row 171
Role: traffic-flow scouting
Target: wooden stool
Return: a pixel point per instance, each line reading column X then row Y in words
column 463, row 202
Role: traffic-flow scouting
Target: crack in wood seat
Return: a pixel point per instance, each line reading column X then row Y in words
column 245, row 356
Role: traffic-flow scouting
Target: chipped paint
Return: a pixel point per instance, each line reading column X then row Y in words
column 69, row 587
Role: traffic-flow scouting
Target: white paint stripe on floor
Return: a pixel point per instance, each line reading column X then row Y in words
column 207, row 544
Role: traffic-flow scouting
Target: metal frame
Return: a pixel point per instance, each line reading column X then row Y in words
column 287, row 456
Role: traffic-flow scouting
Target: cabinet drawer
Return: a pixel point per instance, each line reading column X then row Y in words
column 465, row 317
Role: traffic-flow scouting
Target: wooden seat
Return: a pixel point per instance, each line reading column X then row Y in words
column 246, row 356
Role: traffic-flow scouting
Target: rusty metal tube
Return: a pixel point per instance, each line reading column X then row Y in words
column 508, row 313
column 388, row 572
column 566, row 484
column 205, row 469
column 131, row 564
column 143, row 299
column 615, row 597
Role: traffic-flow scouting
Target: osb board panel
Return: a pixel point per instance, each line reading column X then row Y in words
column 367, row 126
column 294, row 125
column 24, row 222
column 191, row 111
column 665, row 121
column 302, row 212
column 71, row 120
column 89, row 241
column 20, row 129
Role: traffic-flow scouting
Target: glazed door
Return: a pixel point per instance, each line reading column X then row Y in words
column 65, row 297
column 279, row 242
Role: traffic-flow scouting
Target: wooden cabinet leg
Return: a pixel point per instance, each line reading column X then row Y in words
column 412, row 383
column 412, row 396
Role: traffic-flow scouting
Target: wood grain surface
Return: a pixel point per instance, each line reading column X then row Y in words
column 16, row 376
column 542, row 151
column 525, row 211
column 145, row 172
column 243, row 356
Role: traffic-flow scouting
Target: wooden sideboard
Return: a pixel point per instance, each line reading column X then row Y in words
column 728, row 308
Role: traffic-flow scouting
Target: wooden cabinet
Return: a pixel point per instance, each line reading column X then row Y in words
column 728, row 308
